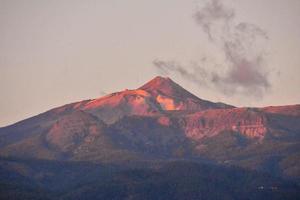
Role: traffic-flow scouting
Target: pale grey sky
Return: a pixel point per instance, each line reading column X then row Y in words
column 54, row 52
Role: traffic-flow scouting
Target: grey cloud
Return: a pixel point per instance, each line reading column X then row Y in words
column 169, row 67
column 214, row 11
column 242, row 45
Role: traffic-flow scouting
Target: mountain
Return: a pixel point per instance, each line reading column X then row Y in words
column 158, row 122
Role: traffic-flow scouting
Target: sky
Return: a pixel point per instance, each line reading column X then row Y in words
column 54, row 52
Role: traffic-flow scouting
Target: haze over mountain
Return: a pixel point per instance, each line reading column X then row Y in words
column 160, row 121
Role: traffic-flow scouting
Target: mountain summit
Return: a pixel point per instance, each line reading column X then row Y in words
column 172, row 96
column 165, row 86
column 155, row 97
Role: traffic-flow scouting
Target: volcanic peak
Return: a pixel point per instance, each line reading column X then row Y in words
column 167, row 87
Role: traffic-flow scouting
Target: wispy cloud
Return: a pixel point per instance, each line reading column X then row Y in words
column 169, row 67
column 242, row 45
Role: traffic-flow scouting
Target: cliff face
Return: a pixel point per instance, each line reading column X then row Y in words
column 248, row 122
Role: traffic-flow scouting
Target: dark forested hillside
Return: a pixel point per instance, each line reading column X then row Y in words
column 38, row 179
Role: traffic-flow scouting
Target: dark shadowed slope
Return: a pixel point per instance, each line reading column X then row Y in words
column 38, row 179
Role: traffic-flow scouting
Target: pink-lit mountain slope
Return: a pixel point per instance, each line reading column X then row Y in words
column 158, row 96
column 155, row 97
column 160, row 120
column 172, row 96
